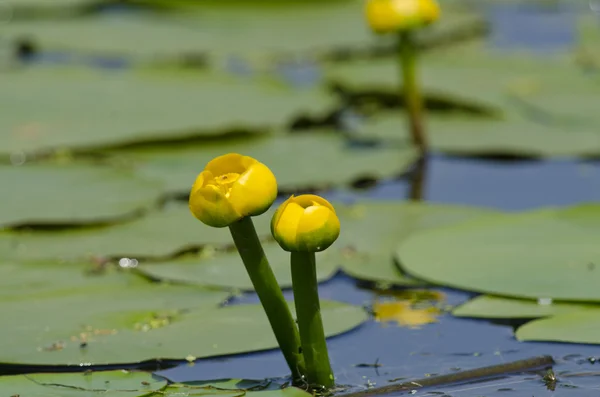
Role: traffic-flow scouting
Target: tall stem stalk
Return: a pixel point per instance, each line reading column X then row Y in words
column 308, row 311
column 407, row 52
column 278, row 312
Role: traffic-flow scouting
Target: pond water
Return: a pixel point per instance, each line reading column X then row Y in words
column 449, row 344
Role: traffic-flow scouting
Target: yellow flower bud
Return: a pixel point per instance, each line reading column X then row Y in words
column 305, row 223
column 386, row 16
column 230, row 188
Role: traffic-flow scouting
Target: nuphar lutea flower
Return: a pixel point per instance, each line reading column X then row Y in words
column 386, row 16
column 305, row 223
column 230, row 188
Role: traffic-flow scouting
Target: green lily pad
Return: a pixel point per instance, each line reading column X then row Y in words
column 175, row 34
column 159, row 234
column 226, row 270
column 370, row 256
column 78, row 108
column 514, row 135
column 231, row 388
column 366, row 257
column 575, row 327
column 18, row 10
column 72, row 194
column 548, row 253
column 486, row 306
column 510, row 83
column 105, row 383
column 40, row 281
column 311, row 28
column 302, row 160
column 141, row 323
column 23, row 284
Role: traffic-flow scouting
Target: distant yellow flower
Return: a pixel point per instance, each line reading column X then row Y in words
column 386, row 16
column 230, row 188
column 305, row 223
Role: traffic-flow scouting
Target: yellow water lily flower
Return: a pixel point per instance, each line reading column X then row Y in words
column 386, row 16
column 305, row 223
column 230, row 188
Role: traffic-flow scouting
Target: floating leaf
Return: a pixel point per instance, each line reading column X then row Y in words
column 227, row 270
column 299, row 161
column 309, row 29
column 340, row 23
column 51, row 280
column 72, row 194
column 575, row 327
column 105, row 383
column 117, row 325
column 548, row 253
column 486, row 306
column 364, row 256
column 87, row 108
column 514, row 135
column 507, row 82
column 369, row 256
column 159, row 234
column 231, row 388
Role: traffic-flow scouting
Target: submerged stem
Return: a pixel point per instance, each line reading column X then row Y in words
column 407, row 52
column 278, row 312
column 308, row 311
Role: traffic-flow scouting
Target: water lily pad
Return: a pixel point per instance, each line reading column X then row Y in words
column 308, row 28
column 369, row 255
column 364, row 256
column 507, row 82
column 72, row 194
column 486, row 306
column 137, row 324
column 300, row 160
column 547, row 253
column 80, row 108
column 105, row 383
column 514, row 135
column 20, row 282
column 226, row 270
column 18, row 10
column 575, row 327
column 159, row 234
column 232, row 388
column 340, row 24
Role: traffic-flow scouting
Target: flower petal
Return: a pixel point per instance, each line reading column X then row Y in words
column 318, row 229
column 307, row 200
column 285, row 224
column 254, row 191
column 211, row 207
column 228, row 163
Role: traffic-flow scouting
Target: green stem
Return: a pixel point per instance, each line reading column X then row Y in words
column 308, row 311
column 407, row 52
column 270, row 295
